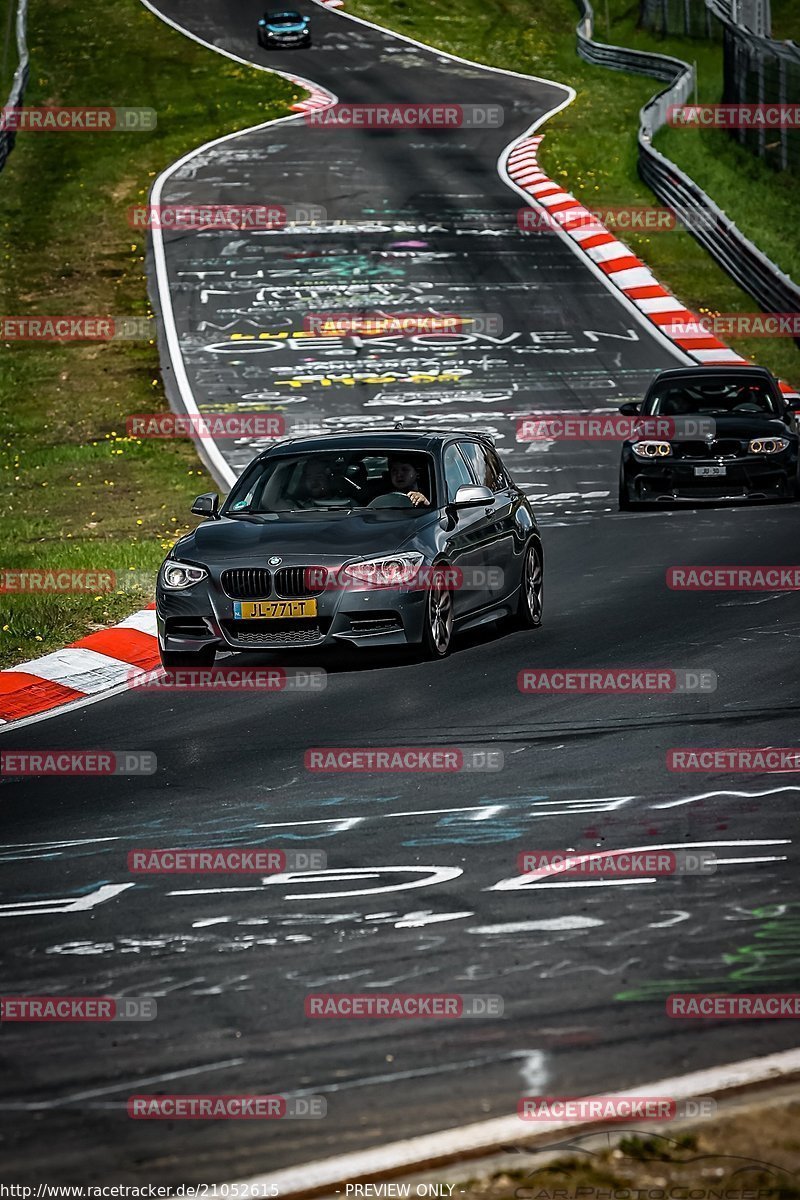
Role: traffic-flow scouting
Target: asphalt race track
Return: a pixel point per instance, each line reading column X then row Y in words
column 412, row 221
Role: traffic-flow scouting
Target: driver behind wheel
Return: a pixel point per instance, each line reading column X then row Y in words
column 405, row 477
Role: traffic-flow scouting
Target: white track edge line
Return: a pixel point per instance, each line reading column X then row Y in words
column 491, row 1135
column 223, row 471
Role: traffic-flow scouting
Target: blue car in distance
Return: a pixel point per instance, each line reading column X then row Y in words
column 284, row 30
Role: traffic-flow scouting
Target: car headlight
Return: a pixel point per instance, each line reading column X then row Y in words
column 652, row 449
column 393, row 571
column 177, row 575
column 770, row 445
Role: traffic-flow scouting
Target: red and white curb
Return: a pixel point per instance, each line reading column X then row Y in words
column 616, row 261
column 102, row 661
column 318, row 97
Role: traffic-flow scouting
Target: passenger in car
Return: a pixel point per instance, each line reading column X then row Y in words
column 318, row 486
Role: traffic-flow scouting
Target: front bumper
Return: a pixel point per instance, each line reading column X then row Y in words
column 286, row 41
column 754, row 477
column 202, row 616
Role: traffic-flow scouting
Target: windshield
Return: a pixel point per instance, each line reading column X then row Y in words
column 735, row 396
column 333, row 482
column 283, row 18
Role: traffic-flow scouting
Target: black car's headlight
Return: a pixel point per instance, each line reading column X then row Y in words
column 769, row 445
column 394, row 570
column 652, row 449
column 177, row 575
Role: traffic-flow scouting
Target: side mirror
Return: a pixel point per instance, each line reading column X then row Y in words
column 207, row 505
column 792, row 407
column 631, row 409
column 470, row 496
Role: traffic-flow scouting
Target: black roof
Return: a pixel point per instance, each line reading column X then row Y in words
column 723, row 369
column 387, row 438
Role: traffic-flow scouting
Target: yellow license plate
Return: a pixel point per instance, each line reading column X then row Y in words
column 266, row 610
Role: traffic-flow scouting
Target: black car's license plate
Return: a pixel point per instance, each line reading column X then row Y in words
column 706, row 471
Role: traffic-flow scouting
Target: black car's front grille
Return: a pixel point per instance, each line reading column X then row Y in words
column 265, row 634
column 300, row 581
column 717, row 448
column 247, row 583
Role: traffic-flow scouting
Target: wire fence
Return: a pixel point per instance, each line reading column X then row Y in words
column 756, row 68
column 692, row 18
column 770, row 287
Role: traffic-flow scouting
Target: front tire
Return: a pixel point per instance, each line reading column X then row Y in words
column 531, row 589
column 625, row 503
column 172, row 660
column 437, row 633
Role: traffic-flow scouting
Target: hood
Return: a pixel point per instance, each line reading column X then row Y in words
column 740, row 425
column 282, row 27
column 304, row 536
column 737, row 425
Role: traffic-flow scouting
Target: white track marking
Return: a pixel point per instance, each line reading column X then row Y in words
column 432, row 876
column 130, row 1085
column 727, row 792
column 67, row 904
column 534, row 878
column 419, row 919
column 551, row 924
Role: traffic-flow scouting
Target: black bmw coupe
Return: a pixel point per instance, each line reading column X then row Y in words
column 710, row 433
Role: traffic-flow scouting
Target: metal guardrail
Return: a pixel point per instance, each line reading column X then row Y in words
column 20, row 82
column 770, row 287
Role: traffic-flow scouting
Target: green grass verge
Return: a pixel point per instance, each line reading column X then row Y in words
column 591, row 145
column 77, row 492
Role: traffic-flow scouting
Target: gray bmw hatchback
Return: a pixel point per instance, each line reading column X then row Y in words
column 383, row 538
